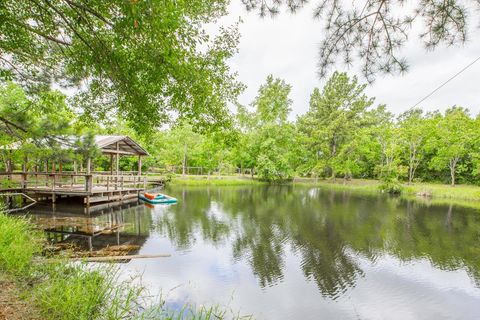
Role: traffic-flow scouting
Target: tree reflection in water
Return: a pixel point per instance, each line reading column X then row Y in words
column 329, row 231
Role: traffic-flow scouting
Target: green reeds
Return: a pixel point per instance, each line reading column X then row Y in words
column 74, row 291
column 19, row 242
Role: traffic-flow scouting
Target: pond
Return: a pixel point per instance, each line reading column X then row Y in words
column 290, row 252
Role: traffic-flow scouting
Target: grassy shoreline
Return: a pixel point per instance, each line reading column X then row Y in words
column 214, row 180
column 420, row 190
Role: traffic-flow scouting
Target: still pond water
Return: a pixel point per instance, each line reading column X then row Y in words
column 287, row 252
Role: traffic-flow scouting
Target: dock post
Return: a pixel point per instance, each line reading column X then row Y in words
column 75, row 172
column 53, row 188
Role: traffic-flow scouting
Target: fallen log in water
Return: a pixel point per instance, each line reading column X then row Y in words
column 106, row 258
column 117, row 258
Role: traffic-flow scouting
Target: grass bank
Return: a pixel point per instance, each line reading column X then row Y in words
column 358, row 185
column 423, row 190
column 56, row 289
column 214, row 180
column 428, row 193
column 442, row 191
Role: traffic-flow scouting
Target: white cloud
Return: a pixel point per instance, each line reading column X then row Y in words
column 286, row 46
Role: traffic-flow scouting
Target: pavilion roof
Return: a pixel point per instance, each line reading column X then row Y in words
column 126, row 145
column 106, row 143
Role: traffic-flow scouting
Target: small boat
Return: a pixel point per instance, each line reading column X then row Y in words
column 156, row 198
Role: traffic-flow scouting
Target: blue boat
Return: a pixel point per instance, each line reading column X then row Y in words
column 156, row 198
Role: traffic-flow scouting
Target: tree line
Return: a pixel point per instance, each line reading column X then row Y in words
column 343, row 135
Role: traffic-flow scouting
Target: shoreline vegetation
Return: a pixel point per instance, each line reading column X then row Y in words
column 36, row 287
column 419, row 190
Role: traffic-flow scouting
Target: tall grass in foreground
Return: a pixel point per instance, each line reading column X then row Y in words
column 19, row 242
column 62, row 290
column 77, row 292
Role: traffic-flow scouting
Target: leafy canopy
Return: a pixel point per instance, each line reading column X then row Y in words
column 147, row 61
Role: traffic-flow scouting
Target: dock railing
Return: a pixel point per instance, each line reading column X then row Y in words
column 74, row 182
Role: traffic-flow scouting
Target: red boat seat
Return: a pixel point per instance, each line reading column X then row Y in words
column 150, row 196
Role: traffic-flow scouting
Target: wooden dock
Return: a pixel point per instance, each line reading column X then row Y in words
column 91, row 188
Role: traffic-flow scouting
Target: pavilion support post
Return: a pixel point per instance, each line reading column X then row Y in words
column 36, row 173
column 24, row 165
column 74, row 178
column 60, row 170
column 24, row 173
column 111, row 164
column 89, row 165
column 117, row 158
column 9, row 165
column 46, row 172
column 139, row 165
column 54, row 198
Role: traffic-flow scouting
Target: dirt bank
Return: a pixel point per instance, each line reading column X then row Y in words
column 12, row 307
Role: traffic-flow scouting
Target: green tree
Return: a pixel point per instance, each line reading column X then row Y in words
column 452, row 141
column 270, row 138
column 275, row 152
column 272, row 104
column 413, row 133
column 389, row 169
column 334, row 114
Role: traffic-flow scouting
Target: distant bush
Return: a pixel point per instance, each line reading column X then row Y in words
column 392, row 186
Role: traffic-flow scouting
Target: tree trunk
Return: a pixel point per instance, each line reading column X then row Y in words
column 452, row 165
column 184, row 159
column 411, row 163
column 410, row 172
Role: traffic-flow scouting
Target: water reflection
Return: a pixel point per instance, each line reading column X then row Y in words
column 326, row 229
column 367, row 255
column 116, row 226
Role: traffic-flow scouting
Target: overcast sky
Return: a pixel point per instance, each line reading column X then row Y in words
column 287, row 45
